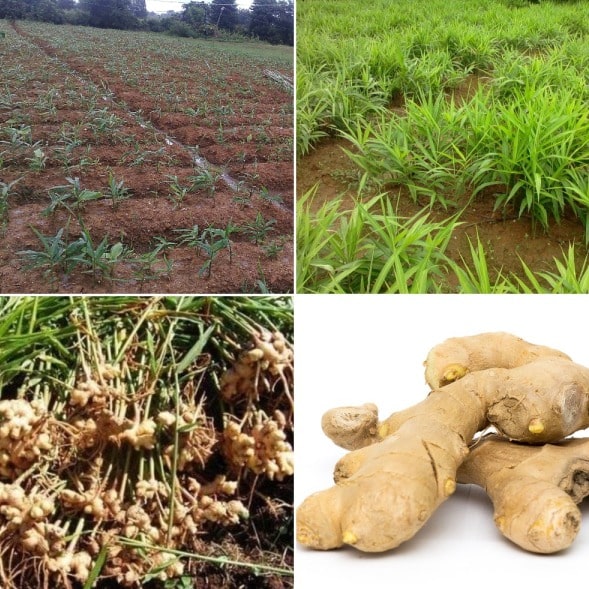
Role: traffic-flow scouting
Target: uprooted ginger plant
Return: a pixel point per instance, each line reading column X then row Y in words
column 114, row 460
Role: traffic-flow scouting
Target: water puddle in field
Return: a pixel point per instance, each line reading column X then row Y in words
column 205, row 165
column 230, row 182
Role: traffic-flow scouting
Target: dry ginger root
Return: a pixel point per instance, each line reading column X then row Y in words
column 534, row 489
column 403, row 468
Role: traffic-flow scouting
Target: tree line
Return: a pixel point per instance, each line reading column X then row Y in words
column 267, row 20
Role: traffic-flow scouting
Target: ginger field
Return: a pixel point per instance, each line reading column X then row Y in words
column 442, row 146
column 136, row 162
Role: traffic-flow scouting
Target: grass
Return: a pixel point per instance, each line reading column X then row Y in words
column 529, row 146
column 453, row 103
column 368, row 249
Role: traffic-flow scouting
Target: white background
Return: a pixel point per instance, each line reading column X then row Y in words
column 356, row 349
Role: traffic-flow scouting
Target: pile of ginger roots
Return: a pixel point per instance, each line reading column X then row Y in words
column 399, row 470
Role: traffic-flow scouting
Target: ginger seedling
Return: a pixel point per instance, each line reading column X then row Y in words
column 534, row 489
column 405, row 467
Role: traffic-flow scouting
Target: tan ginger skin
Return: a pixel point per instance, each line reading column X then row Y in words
column 404, row 467
column 453, row 358
column 534, row 489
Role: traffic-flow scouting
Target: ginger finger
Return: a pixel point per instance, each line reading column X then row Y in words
column 396, row 485
column 454, row 358
column 352, row 427
column 388, row 489
column 356, row 427
column 534, row 489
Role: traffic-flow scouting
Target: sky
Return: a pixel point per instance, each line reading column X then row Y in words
column 165, row 5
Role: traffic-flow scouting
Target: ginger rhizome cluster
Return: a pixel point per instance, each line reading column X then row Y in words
column 136, row 454
column 400, row 469
column 258, row 439
column 24, row 436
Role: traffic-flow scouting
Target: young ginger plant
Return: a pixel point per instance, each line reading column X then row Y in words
column 403, row 468
column 534, row 489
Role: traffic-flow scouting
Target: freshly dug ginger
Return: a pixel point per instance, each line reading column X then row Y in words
column 534, row 489
column 405, row 466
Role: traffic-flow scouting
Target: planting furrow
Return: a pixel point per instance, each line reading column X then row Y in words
column 197, row 104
